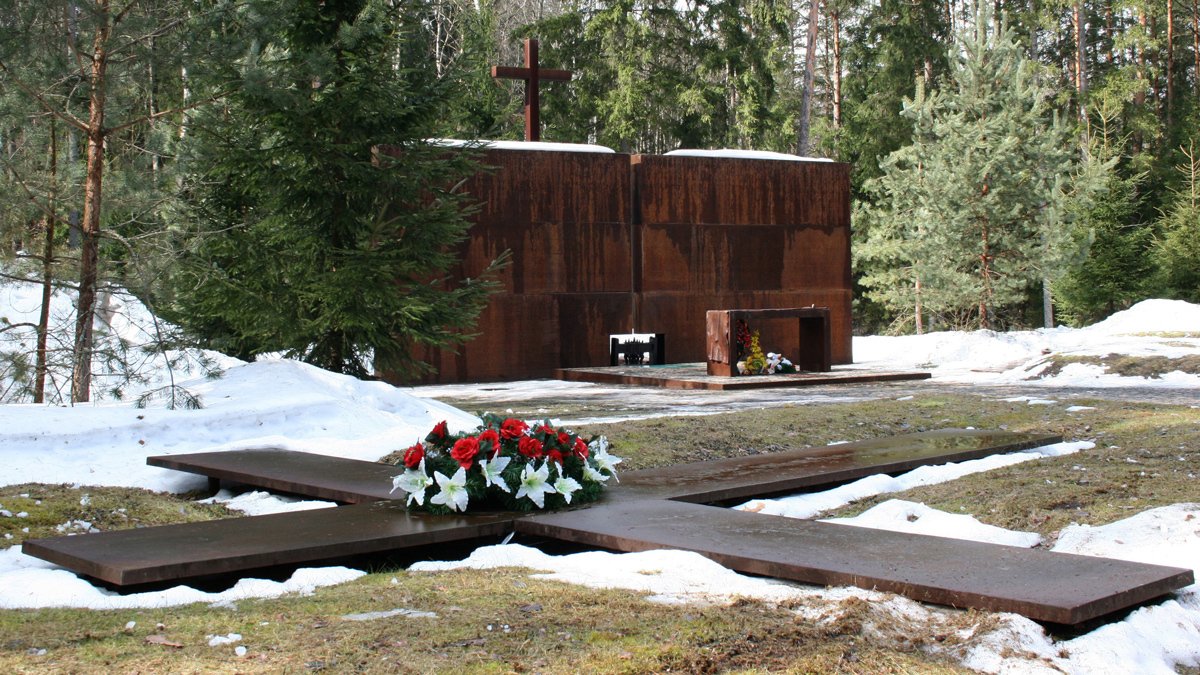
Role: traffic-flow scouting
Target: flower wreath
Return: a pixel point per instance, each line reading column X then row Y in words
column 504, row 465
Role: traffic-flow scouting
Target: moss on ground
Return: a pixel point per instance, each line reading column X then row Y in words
column 40, row 510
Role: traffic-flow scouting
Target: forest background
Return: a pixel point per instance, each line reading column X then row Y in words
column 1013, row 163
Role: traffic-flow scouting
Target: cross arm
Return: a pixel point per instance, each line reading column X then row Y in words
column 517, row 73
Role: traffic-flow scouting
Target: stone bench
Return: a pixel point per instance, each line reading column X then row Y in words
column 814, row 353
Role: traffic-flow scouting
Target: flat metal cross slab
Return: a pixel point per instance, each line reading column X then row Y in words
column 670, row 507
column 532, row 74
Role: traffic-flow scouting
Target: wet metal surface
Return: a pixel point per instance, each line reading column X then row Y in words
column 302, row 473
column 660, row 508
column 779, row 473
column 1045, row 586
column 695, row 376
column 177, row 552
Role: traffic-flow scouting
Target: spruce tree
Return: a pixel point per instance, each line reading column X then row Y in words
column 1118, row 268
column 312, row 240
column 976, row 210
column 1179, row 247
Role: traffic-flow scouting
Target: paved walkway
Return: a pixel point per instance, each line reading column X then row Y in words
column 579, row 403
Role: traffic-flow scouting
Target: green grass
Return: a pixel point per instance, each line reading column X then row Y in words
column 53, row 510
column 1145, row 457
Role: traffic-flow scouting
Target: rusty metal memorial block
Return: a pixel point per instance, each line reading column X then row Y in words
column 813, row 350
column 608, row 243
column 661, row 508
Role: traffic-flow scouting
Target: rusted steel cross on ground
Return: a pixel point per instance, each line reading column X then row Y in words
column 532, row 74
column 671, row 507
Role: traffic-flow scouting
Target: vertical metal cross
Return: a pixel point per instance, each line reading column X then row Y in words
column 531, row 74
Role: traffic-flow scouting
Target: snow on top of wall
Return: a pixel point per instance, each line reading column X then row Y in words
column 521, row 145
column 745, row 154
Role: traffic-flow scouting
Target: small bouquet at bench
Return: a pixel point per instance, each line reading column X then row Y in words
column 505, row 464
column 752, row 361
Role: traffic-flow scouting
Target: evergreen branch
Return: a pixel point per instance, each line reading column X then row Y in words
column 167, row 113
column 62, row 115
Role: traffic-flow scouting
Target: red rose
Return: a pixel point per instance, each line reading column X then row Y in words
column 414, row 455
column 543, row 429
column 530, row 447
column 513, row 428
column 490, row 436
column 464, row 451
column 555, row 456
column 564, row 439
column 439, row 433
column 581, row 449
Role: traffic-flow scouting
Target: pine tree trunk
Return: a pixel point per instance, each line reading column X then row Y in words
column 810, row 61
column 43, row 329
column 89, row 255
column 985, row 299
column 1170, row 64
column 1196, row 38
column 1047, row 304
column 1139, row 97
column 918, row 310
column 1112, row 32
column 1081, row 79
column 835, row 18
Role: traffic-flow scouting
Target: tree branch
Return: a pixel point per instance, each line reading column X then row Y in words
column 69, row 119
column 166, row 113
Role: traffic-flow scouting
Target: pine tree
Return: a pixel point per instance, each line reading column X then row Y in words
column 312, row 240
column 977, row 207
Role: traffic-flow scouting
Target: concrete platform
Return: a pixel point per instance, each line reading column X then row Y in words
column 695, row 376
column 1044, row 586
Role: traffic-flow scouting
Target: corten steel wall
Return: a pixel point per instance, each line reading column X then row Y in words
column 720, row 233
column 566, row 218
column 609, row 243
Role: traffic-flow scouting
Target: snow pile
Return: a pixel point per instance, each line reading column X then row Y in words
column 1168, row 328
column 809, row 504
column 123, row 326
column 283, row 404
column 1152, row 316
column 28, row 582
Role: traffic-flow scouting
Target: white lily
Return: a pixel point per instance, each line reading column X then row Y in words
column 414, row 482
column 590, row 473
column 454, row 490
column 603, row 461
column 565, row 485
column 533, row 484
column 491, row 470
